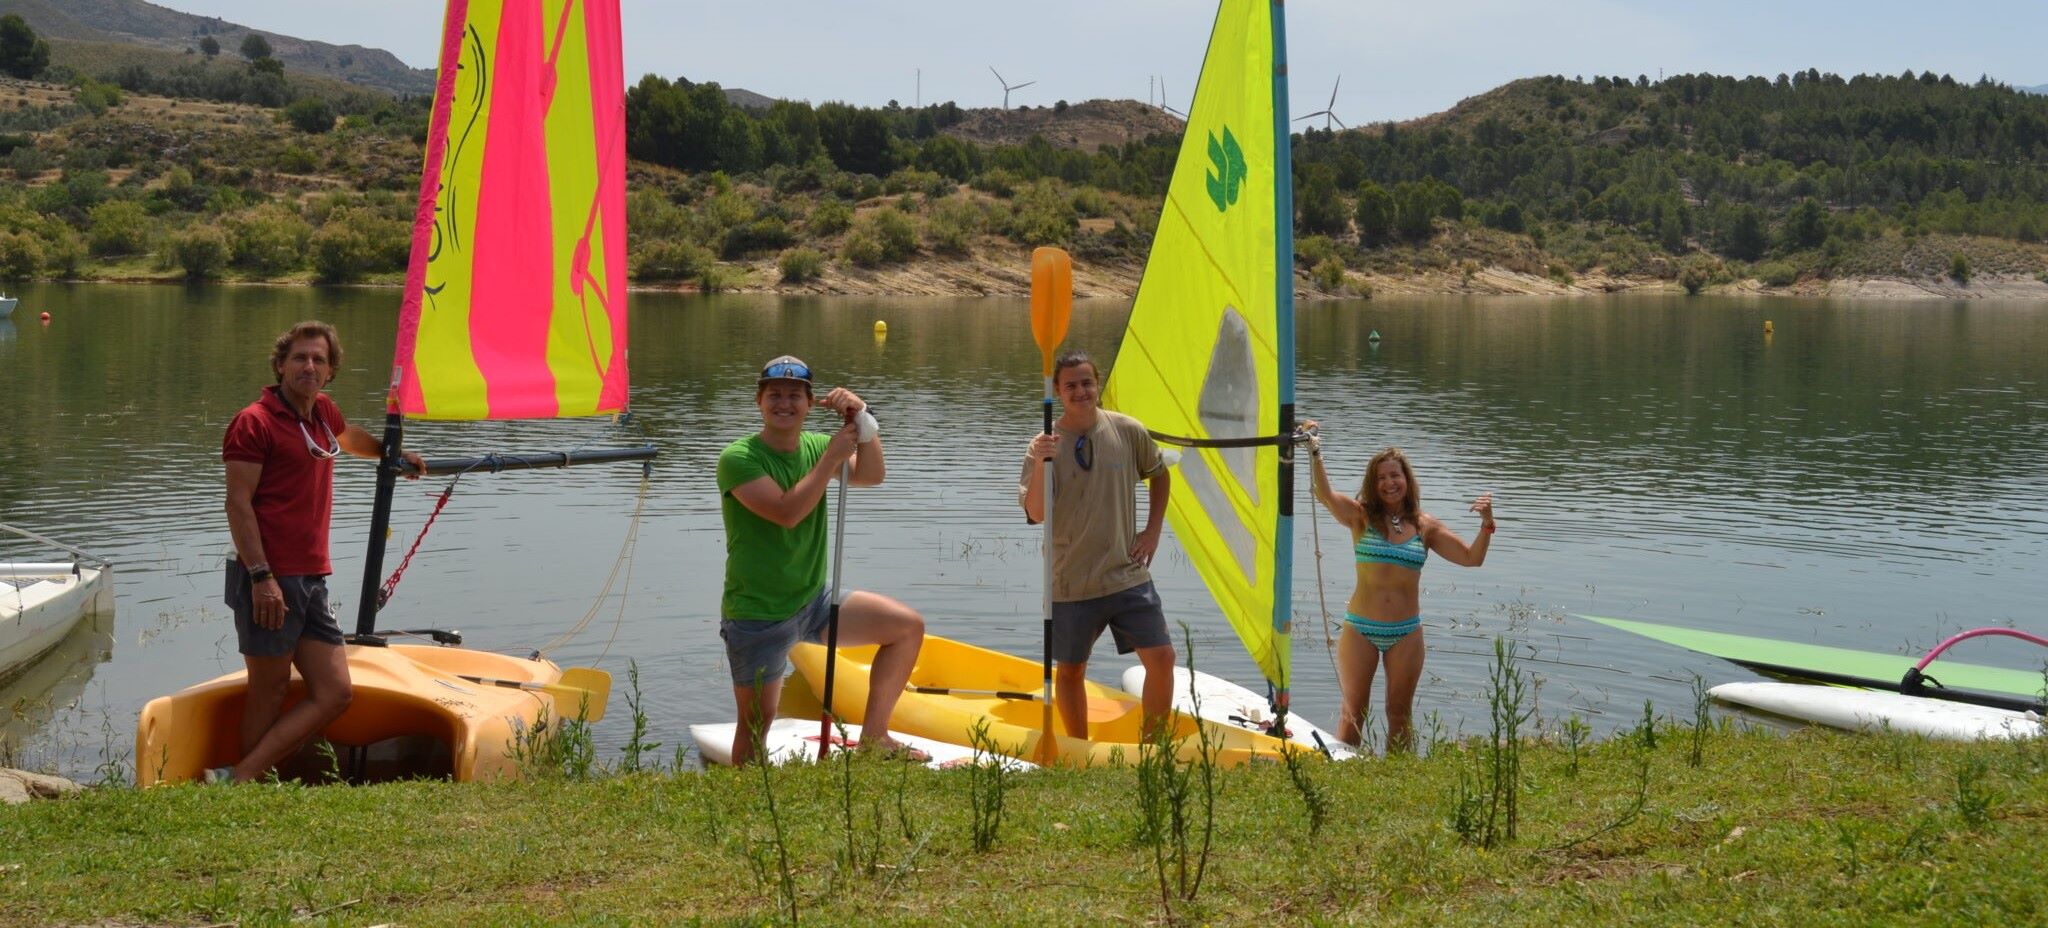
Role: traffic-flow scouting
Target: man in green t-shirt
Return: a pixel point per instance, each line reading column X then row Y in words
column 771, row 488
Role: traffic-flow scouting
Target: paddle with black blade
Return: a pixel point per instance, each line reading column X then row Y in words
column 832, row 620
column 1052, row 303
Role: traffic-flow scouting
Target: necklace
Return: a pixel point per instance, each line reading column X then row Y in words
column 1393, row 523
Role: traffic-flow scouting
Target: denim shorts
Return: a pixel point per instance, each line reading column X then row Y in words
column 307, row 614
column 758, row 649
column 1132, row 616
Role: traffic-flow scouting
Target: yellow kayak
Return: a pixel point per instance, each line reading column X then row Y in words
column 416, row 713
column 1115, row 718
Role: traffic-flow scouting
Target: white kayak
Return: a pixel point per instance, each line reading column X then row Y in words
column 1226, row 703
column 1874, row 710
column 796, row 741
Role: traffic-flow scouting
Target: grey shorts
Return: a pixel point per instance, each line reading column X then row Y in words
column 1132, row 616
column 758, row 649
column 306, row 614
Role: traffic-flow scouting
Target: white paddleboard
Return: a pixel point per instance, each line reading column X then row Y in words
column 796, row 741
column 1226, row 703
column 1873, row 710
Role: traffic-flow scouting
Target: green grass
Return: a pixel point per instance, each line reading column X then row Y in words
column 1822, row 828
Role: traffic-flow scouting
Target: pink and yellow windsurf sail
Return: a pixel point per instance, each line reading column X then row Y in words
column 515, row 298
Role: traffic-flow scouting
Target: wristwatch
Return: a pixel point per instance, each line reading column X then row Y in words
column 259, row 573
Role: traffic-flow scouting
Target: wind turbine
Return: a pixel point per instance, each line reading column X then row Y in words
column 1162, row 99
column 1007, row 86
column 1328, row 112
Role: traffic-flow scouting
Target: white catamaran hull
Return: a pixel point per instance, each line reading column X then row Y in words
column 1875, row 710
column 1218, row 700
column 40, row 603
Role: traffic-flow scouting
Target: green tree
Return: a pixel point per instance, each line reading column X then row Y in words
column 23, row 54
column 1375, row 215
column 1319, row 208
column 1806, row 226
column 1415, row 211
column 210, row 47
column 255, row 47
column 1743, row 237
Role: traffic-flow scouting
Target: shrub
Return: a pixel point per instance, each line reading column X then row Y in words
column 269, row 239
column 119, row 227
column 911, row 179
column 829, row 217
column 63, row 249
column 1697, row 274
column 21, row 255
column 884, row 236
column 28, row 162
column 313, row 115
column 296, row 160
column 1313, row 250
column 355, row 241
column 202, row 250
column 1041, row 216
column 1091, row 202
column 1329, row 275
column 1959, row 269
column 801, row 264
column 670, row 259
column 862, row 246
column 953, row 224
column 764, row 234
column 997, row 181
column 1777, row 274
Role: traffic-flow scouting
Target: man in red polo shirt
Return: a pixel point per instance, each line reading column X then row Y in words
column 280, row 453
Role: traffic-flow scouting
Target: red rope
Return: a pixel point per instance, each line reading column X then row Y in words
column 391, row 585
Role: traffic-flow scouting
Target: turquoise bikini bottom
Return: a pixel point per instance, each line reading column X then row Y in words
column 1384, row 635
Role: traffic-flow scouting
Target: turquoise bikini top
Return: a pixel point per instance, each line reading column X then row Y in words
column 1374, row 548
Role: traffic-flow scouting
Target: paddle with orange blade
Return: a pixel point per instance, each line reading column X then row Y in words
column 1052, row 304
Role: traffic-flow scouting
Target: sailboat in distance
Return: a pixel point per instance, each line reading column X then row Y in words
column 514, row 308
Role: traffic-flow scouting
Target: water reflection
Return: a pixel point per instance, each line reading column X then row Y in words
column 1872, row 476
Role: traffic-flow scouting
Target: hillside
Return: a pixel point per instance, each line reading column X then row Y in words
column 1910, row 186
column 136, row 22
column 1086, row 126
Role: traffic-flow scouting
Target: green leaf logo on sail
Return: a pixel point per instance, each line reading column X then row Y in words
column 1229, row 172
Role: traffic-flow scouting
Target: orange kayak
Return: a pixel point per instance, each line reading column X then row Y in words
column 416, row 713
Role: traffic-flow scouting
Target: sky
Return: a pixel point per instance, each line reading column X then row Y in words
column 1395, row 60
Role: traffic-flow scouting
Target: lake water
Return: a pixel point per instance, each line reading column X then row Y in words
column 1873, row 475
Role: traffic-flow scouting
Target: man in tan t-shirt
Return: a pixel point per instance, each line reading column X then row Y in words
column 1099, row 557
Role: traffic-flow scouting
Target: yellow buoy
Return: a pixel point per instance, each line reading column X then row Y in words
column 881, row 328
column 1767, row 326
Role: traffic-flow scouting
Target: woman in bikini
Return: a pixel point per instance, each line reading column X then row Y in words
column 1391, row 538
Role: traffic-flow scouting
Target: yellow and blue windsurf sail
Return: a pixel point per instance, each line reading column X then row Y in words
column 515, row 299
column 1207, row 358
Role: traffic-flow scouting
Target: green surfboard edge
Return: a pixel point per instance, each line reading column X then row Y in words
column 1745, row 649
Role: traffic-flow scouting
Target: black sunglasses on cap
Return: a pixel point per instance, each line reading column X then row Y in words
column 786, row 368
